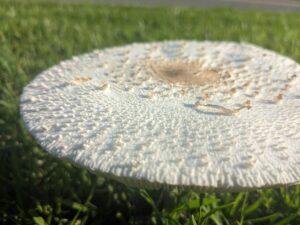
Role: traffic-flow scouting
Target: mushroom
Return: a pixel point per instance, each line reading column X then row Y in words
column 198, row 115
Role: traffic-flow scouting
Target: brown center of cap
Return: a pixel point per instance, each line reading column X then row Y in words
column 184, row 73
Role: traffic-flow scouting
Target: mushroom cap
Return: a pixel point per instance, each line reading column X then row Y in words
column 198, row 115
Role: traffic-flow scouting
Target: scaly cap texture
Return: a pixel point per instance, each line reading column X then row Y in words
column 198, row 115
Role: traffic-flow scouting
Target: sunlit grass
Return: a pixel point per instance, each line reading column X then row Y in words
column 36, row 188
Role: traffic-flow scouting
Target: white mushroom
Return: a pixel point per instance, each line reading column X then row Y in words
column 198, row 115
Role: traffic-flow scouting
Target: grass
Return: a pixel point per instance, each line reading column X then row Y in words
column 36, row 188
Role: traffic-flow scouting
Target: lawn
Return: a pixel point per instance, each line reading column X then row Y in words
column 36, row 188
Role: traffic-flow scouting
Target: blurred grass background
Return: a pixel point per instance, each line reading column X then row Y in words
column 36, row 188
